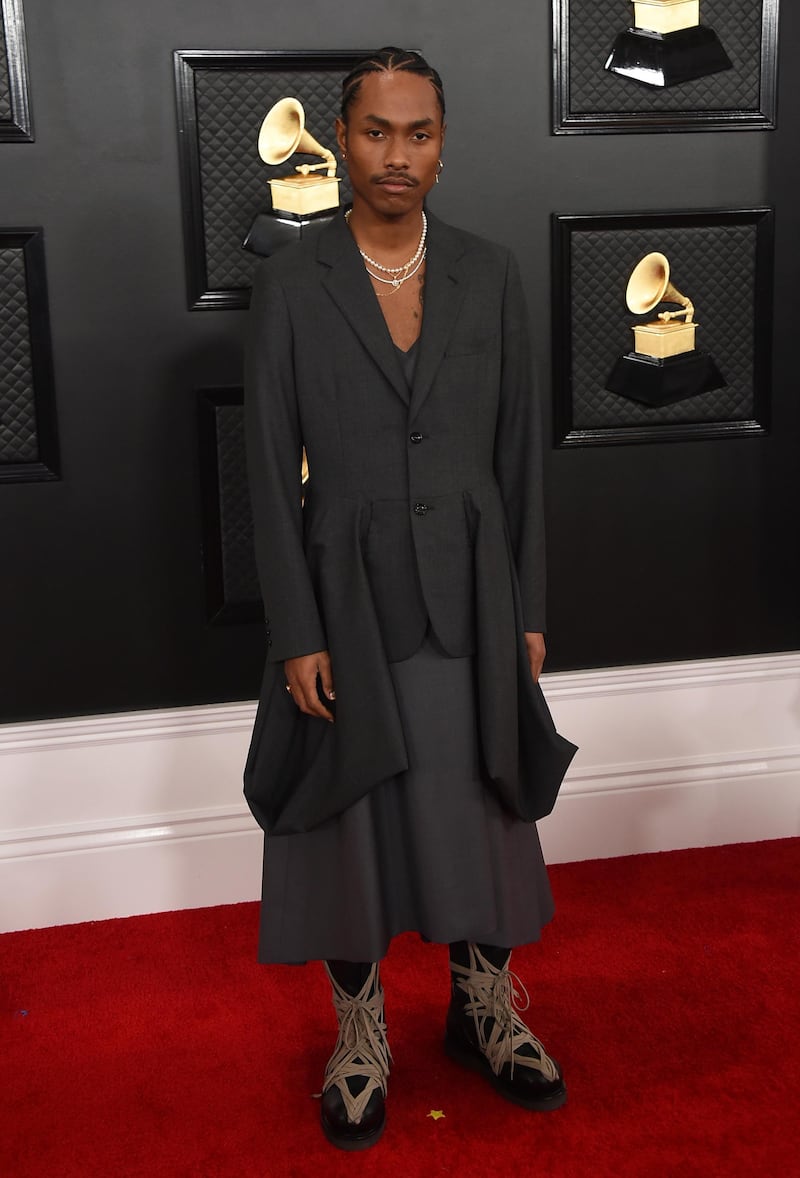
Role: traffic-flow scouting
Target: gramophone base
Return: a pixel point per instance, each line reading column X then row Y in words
column 666, row 59
column 305, row 195
column 271, row 231
column 663, row 382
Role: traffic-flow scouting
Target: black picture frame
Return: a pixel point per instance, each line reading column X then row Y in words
column 229, row 567
column 613, row 105
column 591, row 322
column 16, row 125
column 33, row 390
column 189, row 67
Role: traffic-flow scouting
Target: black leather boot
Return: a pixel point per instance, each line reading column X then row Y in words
column 485, row 1033
column 352, row 1112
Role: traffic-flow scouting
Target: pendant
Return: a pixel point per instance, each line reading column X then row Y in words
column 395, row 283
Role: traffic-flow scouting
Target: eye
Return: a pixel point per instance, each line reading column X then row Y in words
column 421, row 136
column 375, row 133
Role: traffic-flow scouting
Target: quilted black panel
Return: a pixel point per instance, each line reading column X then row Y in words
column 5, row 82
column 594, row 24
column 722, row 262
column 230, row 107
column 239, row 578
column 715, row 265
column 18, row 440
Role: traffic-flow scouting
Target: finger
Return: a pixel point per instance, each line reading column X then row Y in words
column 326, row 677
column 304, row 693
column 535, row 662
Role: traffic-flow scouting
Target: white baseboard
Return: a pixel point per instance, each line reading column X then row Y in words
column 142, row 812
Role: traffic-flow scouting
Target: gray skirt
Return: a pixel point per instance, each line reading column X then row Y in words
column 430, row 850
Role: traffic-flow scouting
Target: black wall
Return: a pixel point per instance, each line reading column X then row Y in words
column 657, row 551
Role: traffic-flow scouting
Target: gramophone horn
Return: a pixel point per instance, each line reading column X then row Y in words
column 649, row 285
column 283, row 133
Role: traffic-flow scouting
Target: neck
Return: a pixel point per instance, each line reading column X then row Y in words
column 386, row 236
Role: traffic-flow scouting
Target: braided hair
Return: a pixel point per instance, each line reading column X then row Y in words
column 387, row 60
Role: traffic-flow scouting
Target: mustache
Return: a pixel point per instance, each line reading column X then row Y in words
column 394, row 178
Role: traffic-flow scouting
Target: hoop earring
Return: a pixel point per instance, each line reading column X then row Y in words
column 438, row 174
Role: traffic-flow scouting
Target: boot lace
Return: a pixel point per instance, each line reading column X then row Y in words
column 495, row 998
column 362, row 1049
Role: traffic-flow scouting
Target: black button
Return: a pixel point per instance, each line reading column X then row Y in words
column 269, row 642
column 416, row 437
column 266, row 621
column 420, row 509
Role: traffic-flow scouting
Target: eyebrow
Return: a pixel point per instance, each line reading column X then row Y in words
column 428, row 122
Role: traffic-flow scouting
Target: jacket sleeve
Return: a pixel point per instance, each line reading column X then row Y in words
column 518, row 452
column 274, row 453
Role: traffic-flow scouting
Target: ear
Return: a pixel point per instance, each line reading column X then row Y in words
column 444, row 131
column 341, row 135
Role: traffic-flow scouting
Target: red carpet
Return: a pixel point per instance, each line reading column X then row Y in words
column 667, row 987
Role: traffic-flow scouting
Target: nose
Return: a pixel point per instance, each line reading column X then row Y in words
column 396, row 156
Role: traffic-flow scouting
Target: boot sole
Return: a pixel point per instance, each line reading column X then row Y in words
column 476, row 1062
column 353, row 1144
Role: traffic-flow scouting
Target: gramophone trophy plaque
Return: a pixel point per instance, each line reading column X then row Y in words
column 664, row 366
column 667, row 45
column 302, row 201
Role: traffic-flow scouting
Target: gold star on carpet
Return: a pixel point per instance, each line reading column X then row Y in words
column 436, row 1114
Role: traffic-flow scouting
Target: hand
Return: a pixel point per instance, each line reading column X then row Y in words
column 301, row 675
column 536, row 653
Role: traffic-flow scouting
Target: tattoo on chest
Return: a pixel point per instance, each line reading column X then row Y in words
column 414, row 311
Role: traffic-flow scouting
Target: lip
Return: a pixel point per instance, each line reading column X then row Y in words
column 395, row 183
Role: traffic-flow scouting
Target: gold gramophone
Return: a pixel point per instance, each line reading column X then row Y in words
column 648, row 286
column 282, row 133
column 667, row 45
column 664, row 365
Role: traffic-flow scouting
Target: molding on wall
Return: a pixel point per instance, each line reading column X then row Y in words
column 126, row 727
column 72, row 838
column 145, row 812
column 688, row 771
column 668, row 676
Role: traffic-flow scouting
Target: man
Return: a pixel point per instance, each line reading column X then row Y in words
column 402, row 746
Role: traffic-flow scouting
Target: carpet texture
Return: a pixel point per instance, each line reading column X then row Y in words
column 667, row 987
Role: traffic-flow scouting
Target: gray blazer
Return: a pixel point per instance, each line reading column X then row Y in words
column 424, row 504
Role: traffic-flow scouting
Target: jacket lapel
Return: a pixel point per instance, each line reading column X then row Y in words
column 444, row 294
column 349, row 287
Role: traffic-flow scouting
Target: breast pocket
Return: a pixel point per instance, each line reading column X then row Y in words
column 472, row 343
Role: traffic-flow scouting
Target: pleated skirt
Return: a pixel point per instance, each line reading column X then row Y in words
column 430, row 850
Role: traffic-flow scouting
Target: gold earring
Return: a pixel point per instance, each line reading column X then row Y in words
column 441, row 165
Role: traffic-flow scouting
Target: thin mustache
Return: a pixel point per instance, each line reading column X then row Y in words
column 395, row 178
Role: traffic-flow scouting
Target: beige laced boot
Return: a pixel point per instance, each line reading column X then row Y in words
column 485, row 1033
column 352, row 1112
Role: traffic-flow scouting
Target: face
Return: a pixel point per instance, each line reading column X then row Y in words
column 393, row 140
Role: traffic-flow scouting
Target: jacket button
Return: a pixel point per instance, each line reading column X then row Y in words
column 416, row 438
column 420, row 509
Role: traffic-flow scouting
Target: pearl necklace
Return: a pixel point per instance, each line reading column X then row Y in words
column 410, row 267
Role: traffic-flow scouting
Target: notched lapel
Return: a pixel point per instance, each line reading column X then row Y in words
column 349, row 287
column 444, row 294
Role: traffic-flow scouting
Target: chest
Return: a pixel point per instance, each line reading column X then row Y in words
column 402, row 307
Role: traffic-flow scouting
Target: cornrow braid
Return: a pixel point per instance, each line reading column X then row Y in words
column 387, row 60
